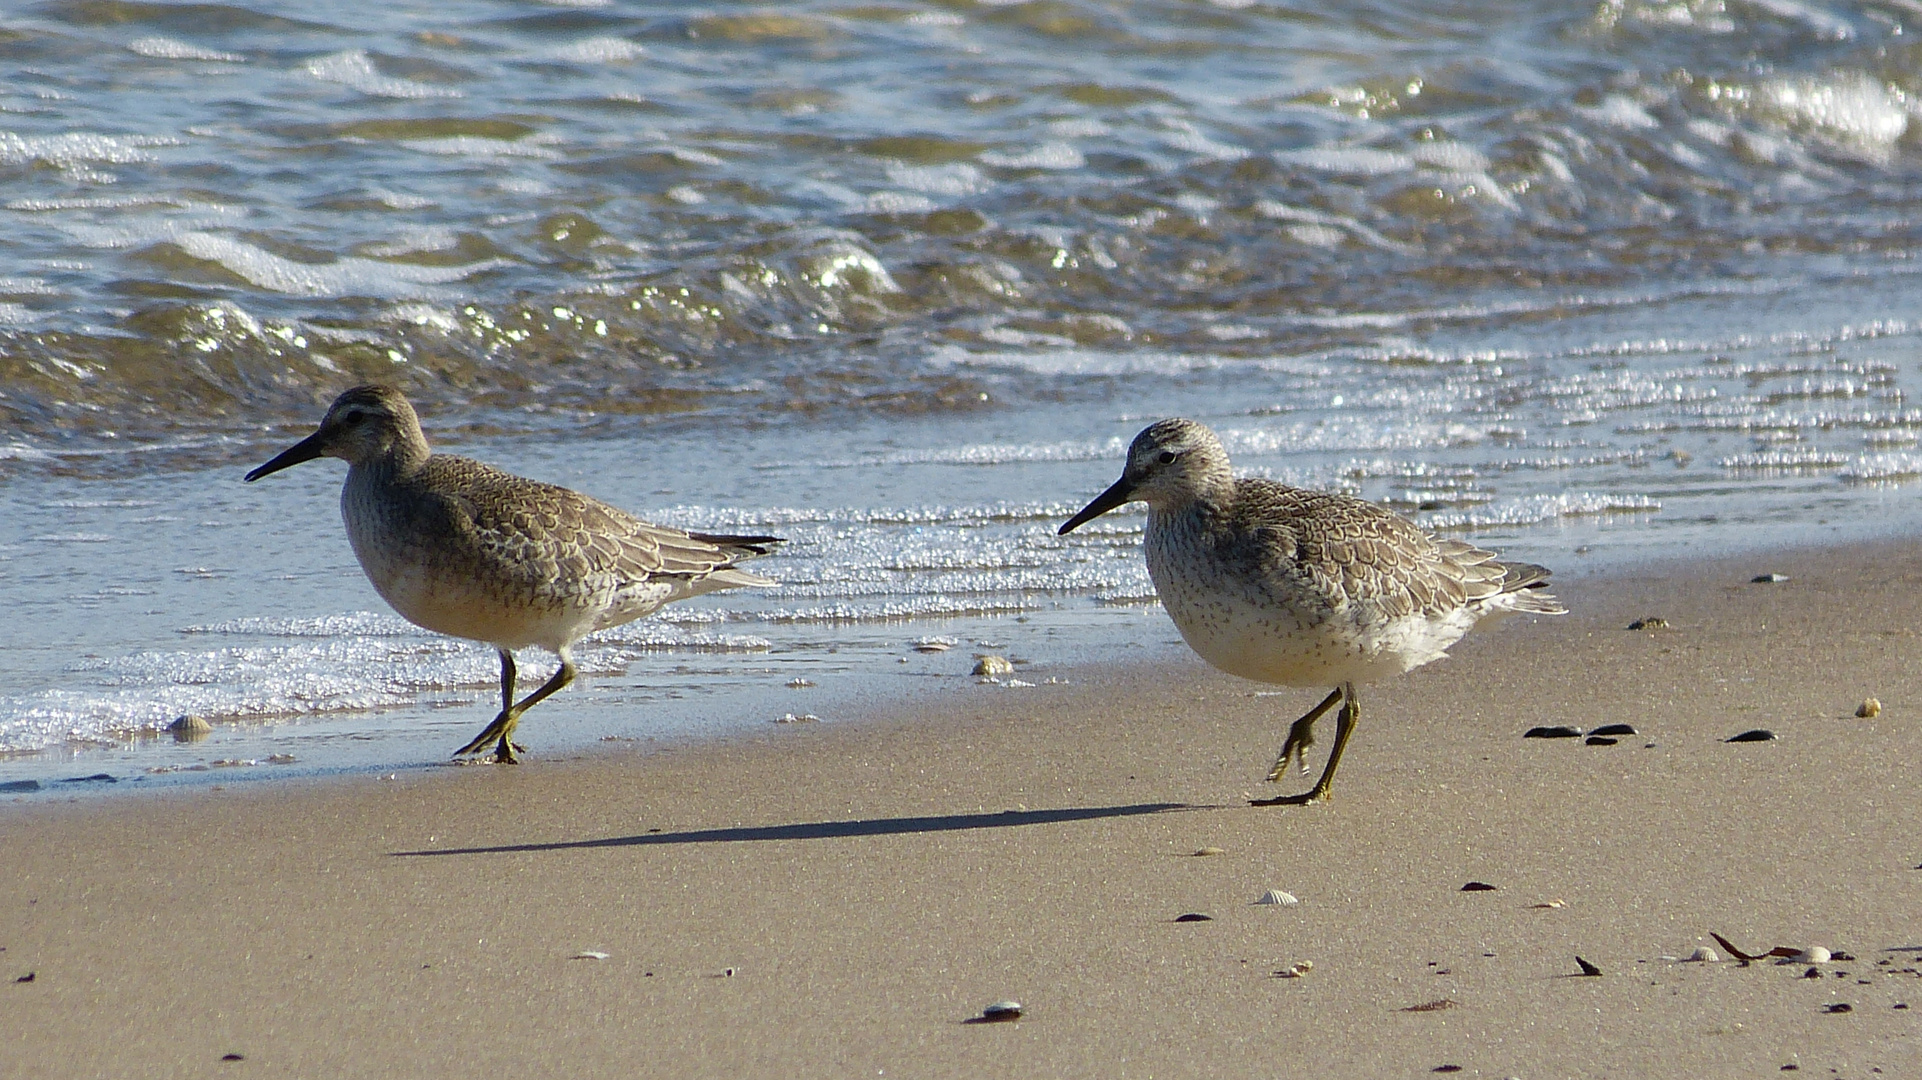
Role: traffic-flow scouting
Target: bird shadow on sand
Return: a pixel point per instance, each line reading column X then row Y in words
column 830, row 830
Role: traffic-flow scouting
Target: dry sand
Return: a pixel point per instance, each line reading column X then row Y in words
column 872, row 885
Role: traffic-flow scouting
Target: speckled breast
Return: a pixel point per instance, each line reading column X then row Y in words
column 1252, row 629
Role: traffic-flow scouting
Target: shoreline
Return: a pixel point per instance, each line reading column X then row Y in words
column 874, row 882
column 310, row 749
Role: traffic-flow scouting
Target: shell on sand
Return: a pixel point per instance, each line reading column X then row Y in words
column 1276, row 896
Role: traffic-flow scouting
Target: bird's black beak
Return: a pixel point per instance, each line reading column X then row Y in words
column 306, row 449
column 1121, row 492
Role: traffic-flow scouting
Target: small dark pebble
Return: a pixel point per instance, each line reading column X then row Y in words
column 28, row 977
column 1767, row 579
column 1652, row 622
column 1448, row 1068
column 1614, row 729
column 1588, row 968
column 1839, row 1007
column 1840, row 955
column 1812, row 973
column 1597, row 740
column 20, row 785
column 1556, row 732
column 1791, row 1068
column 96, row 778
column 1756, row 735
column 1194, row 916
column 1478, row 886
column 1901, row 1004
column 232, row 1057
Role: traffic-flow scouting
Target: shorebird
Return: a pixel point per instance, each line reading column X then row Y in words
column 465, row 549
column 1302, row 588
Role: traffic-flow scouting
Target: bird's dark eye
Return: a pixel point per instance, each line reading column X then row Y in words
column 1167, row 457
column 354, row 416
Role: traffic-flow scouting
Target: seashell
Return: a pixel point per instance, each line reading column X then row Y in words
column 1598, row 740
column 1614, row 729
column 1276, row 896
column 1555, row 903
column 799, row 684
column 1756, row 735
column 190, row 728
column 1587, row 968
column 1768, row 579
column 1001, row 1012
column 1478, row 886
column 1194, row 916
column 1702, row 955
column 588, row 954
column 993, row 665
column 1558, row 731
column 1205, row 851
column 1814, row 954
column 1869, row 708
column 790, row 718
column 1649, row 622
column 1839, row 1007
column 1296, row 970
column 934, row 644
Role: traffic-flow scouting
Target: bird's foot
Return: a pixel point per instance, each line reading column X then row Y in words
column 1301, row 736
column 494, row 733
column 1304, row 799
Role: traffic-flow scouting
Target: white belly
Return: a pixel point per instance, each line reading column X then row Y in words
column 1289, row 639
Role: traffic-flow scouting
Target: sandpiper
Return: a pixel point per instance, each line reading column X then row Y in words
column 465, row 549
column 1302, row 588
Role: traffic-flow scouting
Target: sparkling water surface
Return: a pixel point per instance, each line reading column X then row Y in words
column 1589, row 283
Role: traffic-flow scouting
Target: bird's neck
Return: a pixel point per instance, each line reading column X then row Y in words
column 402, row 460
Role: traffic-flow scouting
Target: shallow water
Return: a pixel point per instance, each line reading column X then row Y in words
column 898, row 282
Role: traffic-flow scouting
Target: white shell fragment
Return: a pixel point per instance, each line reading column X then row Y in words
column 588, row 954
column 1814, row 954
column 1296, row 970
column 799, row 684
column 1702, row 955
column 1203, row 852
column 934, row 644
column 790, row 718
column 993, row 665
column 1276, row 896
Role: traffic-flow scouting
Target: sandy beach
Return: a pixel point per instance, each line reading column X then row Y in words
column 841, row 899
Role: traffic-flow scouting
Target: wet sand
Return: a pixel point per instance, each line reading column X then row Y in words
column 839, row 899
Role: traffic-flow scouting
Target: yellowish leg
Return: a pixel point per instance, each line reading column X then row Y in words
column 1345, row 722
column 501, row 731
column 1301, row 736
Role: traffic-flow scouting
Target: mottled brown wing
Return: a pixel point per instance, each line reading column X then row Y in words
column 1343, row 547
column 554, row 532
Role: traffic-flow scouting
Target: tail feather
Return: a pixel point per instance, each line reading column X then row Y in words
column 1526, row 586
column 743, row 547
